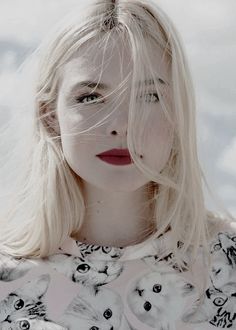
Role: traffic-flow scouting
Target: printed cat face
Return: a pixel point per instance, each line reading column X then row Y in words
column 223, row 252
column 228, row 244
column 25, row 302
column 32, row 324
column 91, row 251
column 217, row 307
column 166, row 258
column 84, row 271
column 155, row 294
column 99, row 309
column 155, row 263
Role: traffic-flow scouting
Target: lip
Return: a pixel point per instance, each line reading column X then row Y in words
column 116, row 157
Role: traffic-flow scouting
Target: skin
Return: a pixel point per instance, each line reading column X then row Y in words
column 113, row 195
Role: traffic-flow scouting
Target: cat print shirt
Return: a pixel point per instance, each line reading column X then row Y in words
column 91, row 287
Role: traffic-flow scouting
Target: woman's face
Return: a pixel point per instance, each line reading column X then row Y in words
column 75, row 116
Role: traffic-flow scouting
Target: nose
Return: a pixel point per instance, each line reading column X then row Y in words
column 7, row 319
column 118, row 122
column 140, row 292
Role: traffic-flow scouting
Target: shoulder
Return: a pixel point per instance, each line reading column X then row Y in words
column 217, row 224
column 223, row 254
column 217, row 304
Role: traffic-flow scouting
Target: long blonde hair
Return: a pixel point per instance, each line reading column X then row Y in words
column 46, row 203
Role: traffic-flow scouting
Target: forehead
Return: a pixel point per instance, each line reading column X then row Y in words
column 112, row 62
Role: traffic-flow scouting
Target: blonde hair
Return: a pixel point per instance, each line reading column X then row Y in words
column 47, row 203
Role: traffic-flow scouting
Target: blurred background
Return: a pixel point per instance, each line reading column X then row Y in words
column 208, row 29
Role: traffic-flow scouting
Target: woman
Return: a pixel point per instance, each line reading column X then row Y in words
column 111, row 191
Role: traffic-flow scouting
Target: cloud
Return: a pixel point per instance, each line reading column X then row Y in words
column 227, row 160
column 27, row 21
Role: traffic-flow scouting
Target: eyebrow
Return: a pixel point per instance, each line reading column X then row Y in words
column 103, row 86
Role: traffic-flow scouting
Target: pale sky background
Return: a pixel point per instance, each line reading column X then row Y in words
column 208, row 29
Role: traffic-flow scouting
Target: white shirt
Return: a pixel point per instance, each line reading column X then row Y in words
column 91, row 287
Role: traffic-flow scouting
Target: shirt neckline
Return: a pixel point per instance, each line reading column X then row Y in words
column 149, row 247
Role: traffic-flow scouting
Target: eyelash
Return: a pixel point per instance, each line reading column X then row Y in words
column 81, row 98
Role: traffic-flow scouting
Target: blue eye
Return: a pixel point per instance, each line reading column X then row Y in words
column 92, row 98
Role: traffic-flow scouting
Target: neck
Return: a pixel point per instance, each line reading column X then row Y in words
column 115, row 218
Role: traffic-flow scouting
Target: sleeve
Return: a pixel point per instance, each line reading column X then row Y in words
column 218, row 305
column 223, row 264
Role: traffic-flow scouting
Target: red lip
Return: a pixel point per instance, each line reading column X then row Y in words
column 116, row 157
column 115, row 152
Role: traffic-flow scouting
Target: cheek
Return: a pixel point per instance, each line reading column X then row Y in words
column 71, row 126
column 159, row 141
column 79, row 129
column 78, row 154
column 79, row 119
column 73, row 131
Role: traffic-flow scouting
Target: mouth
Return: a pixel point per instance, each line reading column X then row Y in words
column 116, row 157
